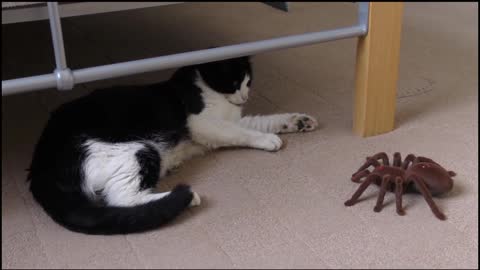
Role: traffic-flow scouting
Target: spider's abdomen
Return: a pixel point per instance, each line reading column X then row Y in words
column 436, row 178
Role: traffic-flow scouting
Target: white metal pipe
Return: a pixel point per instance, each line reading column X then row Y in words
column 64, row 78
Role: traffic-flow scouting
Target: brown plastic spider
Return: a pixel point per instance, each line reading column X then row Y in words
column 414, row 174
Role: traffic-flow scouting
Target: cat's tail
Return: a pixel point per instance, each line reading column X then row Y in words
column 78, row 214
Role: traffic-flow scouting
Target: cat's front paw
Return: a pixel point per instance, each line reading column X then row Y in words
column 299, row 122
column 269, row 142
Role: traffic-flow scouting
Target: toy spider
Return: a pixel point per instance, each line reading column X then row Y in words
column 423, row 175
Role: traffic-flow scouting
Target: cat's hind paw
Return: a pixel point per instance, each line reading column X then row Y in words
column 195, row 200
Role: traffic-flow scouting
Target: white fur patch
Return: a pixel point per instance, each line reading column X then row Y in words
column 196, row 200
column 112, row 169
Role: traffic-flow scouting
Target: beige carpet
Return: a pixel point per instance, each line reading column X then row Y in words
column 267, row 210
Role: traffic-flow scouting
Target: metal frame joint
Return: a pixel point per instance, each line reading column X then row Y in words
column 363, row 13
column 65, row 79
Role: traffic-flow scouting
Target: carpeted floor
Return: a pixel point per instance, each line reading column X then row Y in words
column 260, row 209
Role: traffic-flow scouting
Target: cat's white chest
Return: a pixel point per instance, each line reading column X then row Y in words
column 217, row 107
column 223, row 109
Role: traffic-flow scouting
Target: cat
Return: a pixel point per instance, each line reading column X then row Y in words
column 96, row 163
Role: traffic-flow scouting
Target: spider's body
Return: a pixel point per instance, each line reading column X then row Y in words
column 393, row 172
column 414, row 174
column 436, row 178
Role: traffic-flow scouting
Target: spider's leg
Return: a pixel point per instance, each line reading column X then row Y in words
column 423, row 159
column 428, row 196
column 381, row 195
column 367, row 164
column 383, row 156
column 359, row 175
column 398, row 195
column 410, row 158
column 397, row 159
column 361, row 189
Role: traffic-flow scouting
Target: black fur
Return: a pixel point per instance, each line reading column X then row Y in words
column 225, row 77
column 150, row 162
column 121, row 114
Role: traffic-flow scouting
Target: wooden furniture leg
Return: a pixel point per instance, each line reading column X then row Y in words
column 377, row 70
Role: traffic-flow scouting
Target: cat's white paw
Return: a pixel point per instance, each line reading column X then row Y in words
column 299, row 122
column 269, row 142
column 195, row 200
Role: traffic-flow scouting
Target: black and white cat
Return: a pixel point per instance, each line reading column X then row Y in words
column 99, row 158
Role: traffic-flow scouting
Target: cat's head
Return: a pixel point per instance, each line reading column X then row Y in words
column 231, row 77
